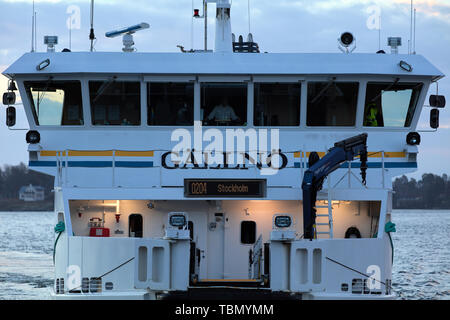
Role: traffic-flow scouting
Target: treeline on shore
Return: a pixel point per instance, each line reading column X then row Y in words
column 431, row 192
column 13, row 178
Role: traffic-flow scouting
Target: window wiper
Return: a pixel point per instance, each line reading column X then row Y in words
column 39, row 99
column 320, row 94
column 396, row 81
column 103, row 88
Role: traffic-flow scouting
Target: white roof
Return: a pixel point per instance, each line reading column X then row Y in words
column 222, row 63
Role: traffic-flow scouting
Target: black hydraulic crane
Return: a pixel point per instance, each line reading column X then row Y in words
column 319, row 169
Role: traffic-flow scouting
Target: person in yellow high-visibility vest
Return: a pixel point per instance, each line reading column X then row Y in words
column 370, row 119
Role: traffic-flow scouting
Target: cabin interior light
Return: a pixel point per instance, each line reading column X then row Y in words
column 283, row 221
column 413, row 139
column 33, row 137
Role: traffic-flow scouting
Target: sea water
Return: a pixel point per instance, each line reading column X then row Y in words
column 421, row 254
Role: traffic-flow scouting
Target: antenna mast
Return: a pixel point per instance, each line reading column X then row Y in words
column 379, row 31
column 249, row 24
column 33, row 30
column 414, row 42
column 411, row 29
column 91, row 34
column 205, row 14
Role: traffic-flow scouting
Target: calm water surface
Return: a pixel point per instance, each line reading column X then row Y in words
column 421, row 258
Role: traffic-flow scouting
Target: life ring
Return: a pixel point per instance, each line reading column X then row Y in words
column 352, row 232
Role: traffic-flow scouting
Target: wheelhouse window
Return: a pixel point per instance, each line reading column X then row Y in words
column 115, row 103
column 170, row 104
column 277, row 104
column 224, row 104
column 391, row 104
column 332, row 104
column 56, row 103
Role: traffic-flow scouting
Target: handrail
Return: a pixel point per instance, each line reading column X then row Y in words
column 62, row 164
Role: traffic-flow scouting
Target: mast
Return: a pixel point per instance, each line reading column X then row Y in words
column 32, row 30
column 91, row 34
column 224, row 42
column 414, row 42
column 205, row 13
column 411, row 28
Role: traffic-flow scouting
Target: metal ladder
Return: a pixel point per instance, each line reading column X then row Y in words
column 328, row 224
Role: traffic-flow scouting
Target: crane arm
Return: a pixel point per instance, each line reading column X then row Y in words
column 342, row 151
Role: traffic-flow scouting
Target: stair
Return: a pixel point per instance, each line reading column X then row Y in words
column 326, row 228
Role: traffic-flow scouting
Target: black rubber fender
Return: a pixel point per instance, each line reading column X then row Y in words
column 352, row 231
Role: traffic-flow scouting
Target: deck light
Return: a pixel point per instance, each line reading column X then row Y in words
column 33, row 137
column 413, row 139
column 178, row 220
column 394, row 43
column 283, row 221
column 44, row 64
column 51, row 41
column 347, row 39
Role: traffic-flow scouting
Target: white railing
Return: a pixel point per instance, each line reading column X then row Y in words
column 62, row 169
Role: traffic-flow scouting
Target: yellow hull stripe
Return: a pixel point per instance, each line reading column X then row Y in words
column 108, row 153
column 370, row 154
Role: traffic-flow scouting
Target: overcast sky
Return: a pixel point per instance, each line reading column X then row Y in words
column 277, row 25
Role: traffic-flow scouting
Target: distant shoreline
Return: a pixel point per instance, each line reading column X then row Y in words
column 17, row 205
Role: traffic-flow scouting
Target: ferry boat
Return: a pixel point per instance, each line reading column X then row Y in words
column 223, row 174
